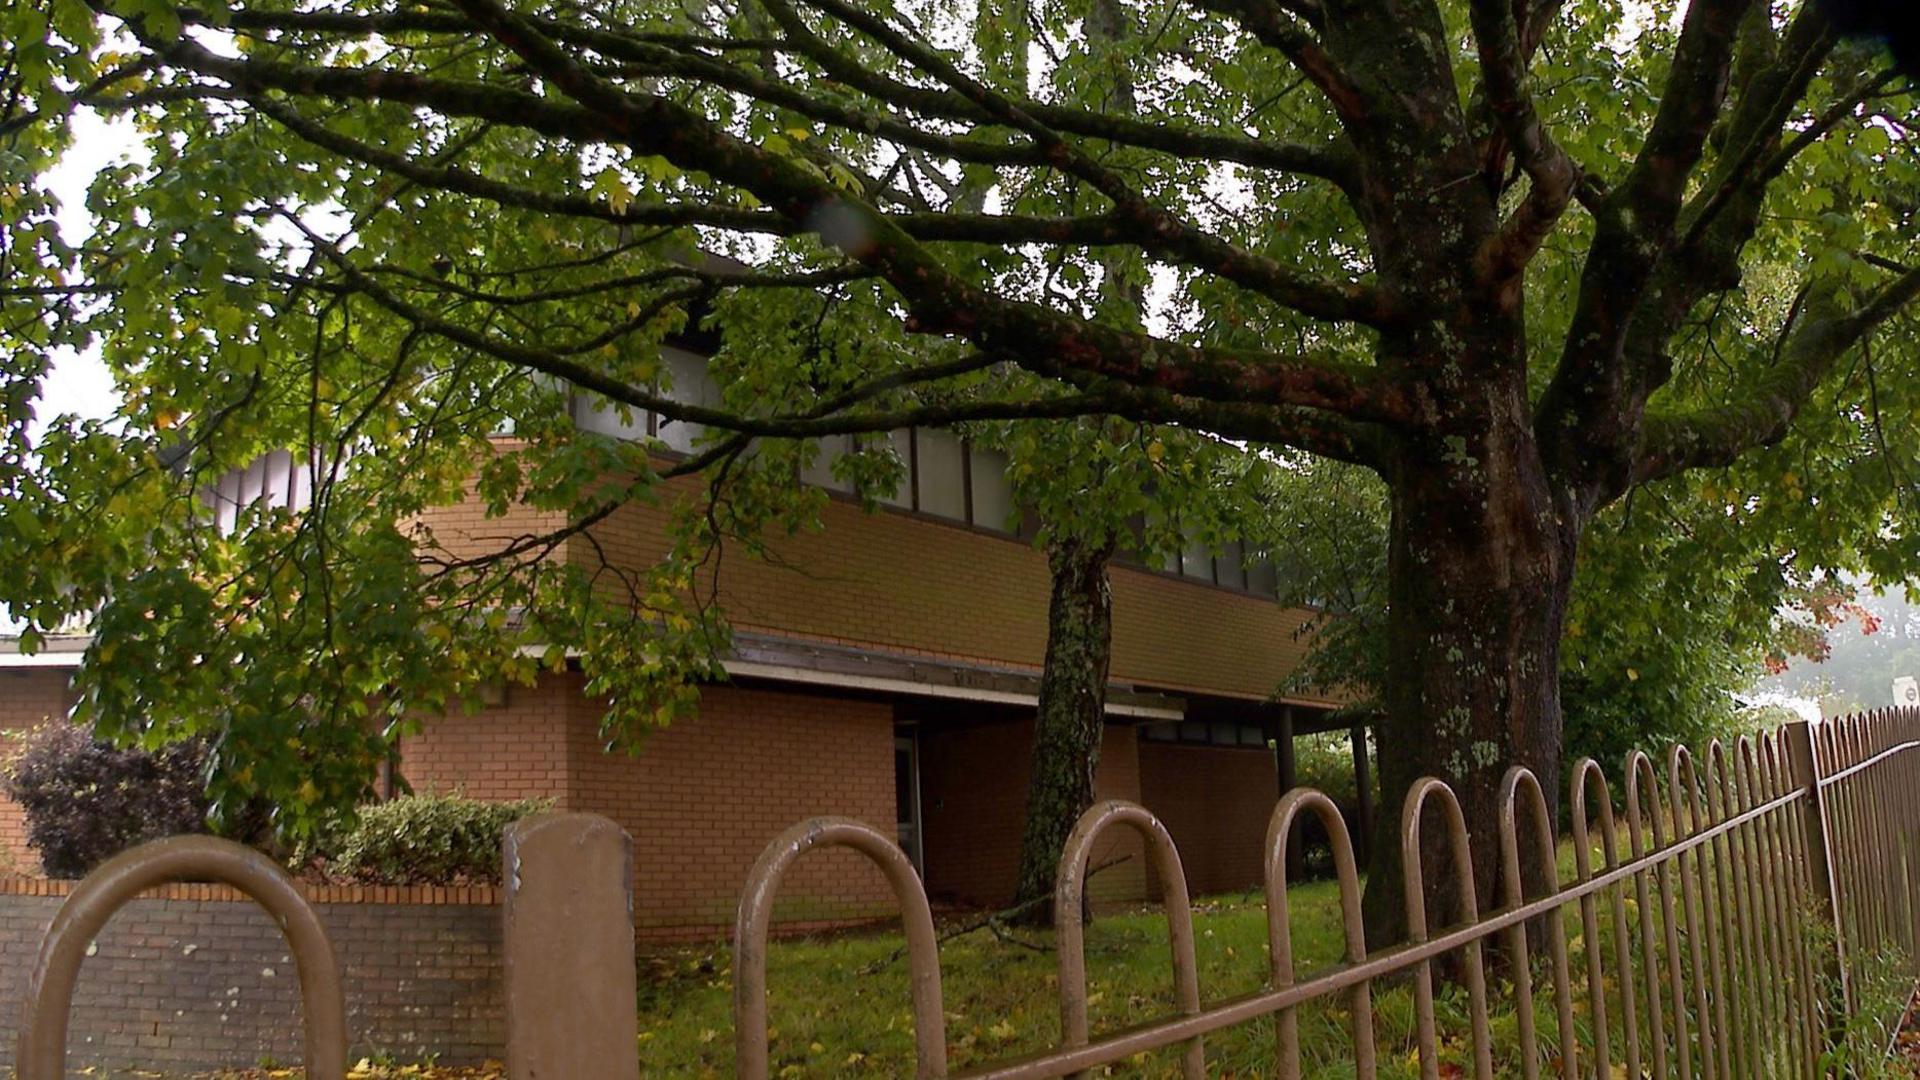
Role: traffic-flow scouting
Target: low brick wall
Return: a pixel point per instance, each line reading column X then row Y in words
column 192, row 977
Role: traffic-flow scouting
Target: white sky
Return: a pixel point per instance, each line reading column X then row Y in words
column 78, row 382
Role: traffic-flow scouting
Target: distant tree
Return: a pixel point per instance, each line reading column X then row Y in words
column 1853, row 648
column 1095, row 488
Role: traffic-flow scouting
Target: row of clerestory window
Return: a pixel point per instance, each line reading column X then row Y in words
column 944, row 476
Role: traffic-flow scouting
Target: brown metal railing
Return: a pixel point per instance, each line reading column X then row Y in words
column 1741, row 908
column 1746, row 909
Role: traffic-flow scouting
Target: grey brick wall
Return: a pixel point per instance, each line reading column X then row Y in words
column 190, row 984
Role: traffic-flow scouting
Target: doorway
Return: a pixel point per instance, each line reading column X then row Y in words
column 906, row 795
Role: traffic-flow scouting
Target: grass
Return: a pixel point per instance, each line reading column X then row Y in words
column 839, row 1004
column 839, row 1007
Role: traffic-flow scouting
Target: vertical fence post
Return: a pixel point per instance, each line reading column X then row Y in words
column 1823, row 893
column 569, row 949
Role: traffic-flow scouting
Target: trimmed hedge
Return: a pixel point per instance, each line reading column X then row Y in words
column 424, row 840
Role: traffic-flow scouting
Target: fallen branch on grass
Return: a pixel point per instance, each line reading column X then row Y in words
column 997, row 922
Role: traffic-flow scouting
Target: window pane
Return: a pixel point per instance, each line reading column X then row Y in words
column 1261, row 578
column 690, row 384
column 1196, row 561
column 820, row 473
column 1230, row 568
column 1252, row 735
column 1193, row 731
column 900, row 442
column 1162, row 732
column 591, row 412
column 992, row 492
column 941, row 479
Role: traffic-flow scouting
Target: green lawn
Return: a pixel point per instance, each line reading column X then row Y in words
column 839, row 1008
column 839, row 1005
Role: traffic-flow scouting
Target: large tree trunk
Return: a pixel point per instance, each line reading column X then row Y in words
column 1480, row 567
column 1073, row 705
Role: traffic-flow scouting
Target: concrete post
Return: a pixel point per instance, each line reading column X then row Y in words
column 1363, row 784
column 1287, row 767
column 569, row 949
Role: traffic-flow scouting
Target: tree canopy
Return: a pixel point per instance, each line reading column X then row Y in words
column 1521, row 259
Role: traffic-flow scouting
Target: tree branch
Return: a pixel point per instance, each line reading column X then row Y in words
column 655, row 125
column 681, row 56
column 1809, row 347
column 939, row 302
column 1588, row 414
column 1339, row 303
column 1553, row 176
column 1274, row 25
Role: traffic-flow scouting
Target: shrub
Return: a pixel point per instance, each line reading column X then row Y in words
column 87, row 800
column 424, row 840
column 1325, row 761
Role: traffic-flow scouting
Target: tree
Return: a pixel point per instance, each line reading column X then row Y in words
column 1679, row 606
column 1518, row 259
column 1855, row 646
column 1096, row 487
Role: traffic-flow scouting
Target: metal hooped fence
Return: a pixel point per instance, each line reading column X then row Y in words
column 1723, row 936
column 42, row 1052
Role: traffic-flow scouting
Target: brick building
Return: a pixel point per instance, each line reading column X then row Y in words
column 886, row 668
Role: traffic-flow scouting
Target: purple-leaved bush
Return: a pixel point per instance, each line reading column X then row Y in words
column 87, row 800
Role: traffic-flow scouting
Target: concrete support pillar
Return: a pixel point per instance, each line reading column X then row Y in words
column 570, row 978
column 1363, row 784
column 1289, row 775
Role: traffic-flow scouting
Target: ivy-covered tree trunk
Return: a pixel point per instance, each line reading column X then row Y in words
column 1073, row 705
column 1480, row 572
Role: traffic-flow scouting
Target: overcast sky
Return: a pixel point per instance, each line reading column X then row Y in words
column 79, row 382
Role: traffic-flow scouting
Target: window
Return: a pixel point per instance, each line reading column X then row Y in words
column 820, row 472
column 276, row 479
column 691, row 384
column 1195, row 560
column 1260, row 577
column 594, row 413
column 992, row 490
column 901, row 443
column 1230, row 568
column 941, row 474
column 1248, row 734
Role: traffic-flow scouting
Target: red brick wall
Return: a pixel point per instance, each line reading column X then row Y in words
column 910, row 584
column 188, row 984
column 1215, row 803
column 516, row 750
column 463, row 529
column 973, row 794
column 704, row 796
column 28, row 698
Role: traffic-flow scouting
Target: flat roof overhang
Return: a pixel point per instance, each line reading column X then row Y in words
column 789, row 660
